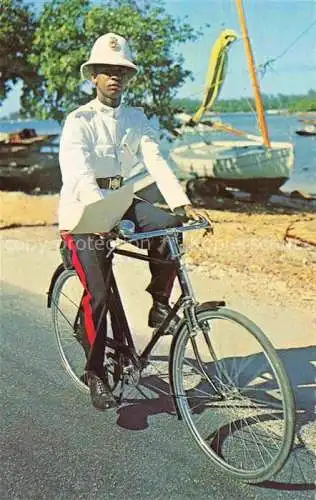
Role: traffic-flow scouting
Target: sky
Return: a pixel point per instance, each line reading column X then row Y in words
column 283, row 30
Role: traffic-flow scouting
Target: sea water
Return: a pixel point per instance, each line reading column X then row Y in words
column 281, row 128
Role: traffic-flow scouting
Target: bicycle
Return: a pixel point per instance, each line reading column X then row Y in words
column 226, row 380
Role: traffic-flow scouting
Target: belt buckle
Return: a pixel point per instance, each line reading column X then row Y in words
column 115, row 183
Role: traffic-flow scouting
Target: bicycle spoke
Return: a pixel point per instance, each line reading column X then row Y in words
column 75, row 304
column 63, row 315
column 245, row 428
column 65, row 306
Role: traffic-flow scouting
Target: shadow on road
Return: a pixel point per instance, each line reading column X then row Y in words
column 153, row 398
column 298, row 473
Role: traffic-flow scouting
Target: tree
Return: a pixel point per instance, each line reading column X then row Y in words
column 17, row 26
column 292, row 103
column 304, row 103
column 63, row 39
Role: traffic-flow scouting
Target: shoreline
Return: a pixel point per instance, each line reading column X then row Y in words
column 281, row 128
column 269, row 111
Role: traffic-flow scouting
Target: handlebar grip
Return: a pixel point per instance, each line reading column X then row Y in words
column 126, row 230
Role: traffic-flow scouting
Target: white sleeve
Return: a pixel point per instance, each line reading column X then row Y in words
column 166, row 180
column 75, row 161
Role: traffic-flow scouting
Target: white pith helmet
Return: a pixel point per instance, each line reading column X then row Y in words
column 109, row 49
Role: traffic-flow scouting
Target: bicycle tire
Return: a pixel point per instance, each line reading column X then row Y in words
column 185, row 381
column 57, row 315
column 75, row 367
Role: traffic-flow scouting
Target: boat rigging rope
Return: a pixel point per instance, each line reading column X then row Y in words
column 262, row 68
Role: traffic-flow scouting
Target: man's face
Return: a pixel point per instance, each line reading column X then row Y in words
column 111, row 80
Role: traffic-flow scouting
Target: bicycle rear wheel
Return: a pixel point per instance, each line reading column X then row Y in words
column 66, row 299
column 65, row 304
column 232, row 391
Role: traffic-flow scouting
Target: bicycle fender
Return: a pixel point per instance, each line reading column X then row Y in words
column 60, row 269
column 212, row 304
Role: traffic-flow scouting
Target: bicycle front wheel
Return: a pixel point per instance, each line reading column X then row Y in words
column 232, row 391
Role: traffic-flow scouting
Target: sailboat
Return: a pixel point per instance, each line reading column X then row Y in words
column 252, row 163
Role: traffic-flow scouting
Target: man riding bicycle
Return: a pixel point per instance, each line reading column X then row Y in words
column 100, row 143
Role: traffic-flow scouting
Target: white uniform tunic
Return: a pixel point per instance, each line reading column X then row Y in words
column 98, row 141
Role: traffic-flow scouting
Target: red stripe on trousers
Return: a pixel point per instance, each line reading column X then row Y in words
column 87, row 299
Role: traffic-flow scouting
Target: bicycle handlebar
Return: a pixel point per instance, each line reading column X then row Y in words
column 202, row 224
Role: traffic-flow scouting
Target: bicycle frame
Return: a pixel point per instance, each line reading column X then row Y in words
column 123, row 340
column 186, row 301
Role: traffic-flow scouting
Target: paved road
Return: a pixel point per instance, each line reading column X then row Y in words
column 56, row 446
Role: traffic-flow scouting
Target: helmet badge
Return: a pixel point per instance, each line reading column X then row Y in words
column 114, row 44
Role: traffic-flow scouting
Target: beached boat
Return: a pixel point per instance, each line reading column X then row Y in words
column 24, row 140
column 29, row 162
column 309, row 128
column 244, row 165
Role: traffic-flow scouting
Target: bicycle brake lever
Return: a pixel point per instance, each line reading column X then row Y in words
column 114, row 244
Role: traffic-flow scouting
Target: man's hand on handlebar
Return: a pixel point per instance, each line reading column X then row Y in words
column 188, row 212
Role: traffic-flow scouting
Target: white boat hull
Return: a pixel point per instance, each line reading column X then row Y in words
column 231, row 160
column 244, row 165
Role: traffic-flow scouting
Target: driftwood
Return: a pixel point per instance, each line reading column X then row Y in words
column 292, row 233
column 298, row 240
column 286, row 201
column 282, row 200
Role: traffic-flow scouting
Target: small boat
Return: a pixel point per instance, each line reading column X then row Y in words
column 243, row 165
column 309, row 128
column 24, row 140
column 29, row 162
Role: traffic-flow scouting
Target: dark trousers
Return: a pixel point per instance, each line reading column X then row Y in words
column 88, row 253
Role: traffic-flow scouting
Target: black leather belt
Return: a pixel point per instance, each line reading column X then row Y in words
column 110, row 182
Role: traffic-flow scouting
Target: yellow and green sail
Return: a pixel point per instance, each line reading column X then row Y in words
column 216, row 71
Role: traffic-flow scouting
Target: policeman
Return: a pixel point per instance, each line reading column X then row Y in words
column 100, row 143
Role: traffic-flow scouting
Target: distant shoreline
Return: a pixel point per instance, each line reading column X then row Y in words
column 276, row 112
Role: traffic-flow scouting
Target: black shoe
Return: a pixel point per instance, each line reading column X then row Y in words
column 158, row 314
column 100, row 392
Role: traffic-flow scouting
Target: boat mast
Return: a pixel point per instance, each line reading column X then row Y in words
column 253, row 75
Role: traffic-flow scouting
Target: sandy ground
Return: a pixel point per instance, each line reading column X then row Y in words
column 17, row 208
column 270, row 250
